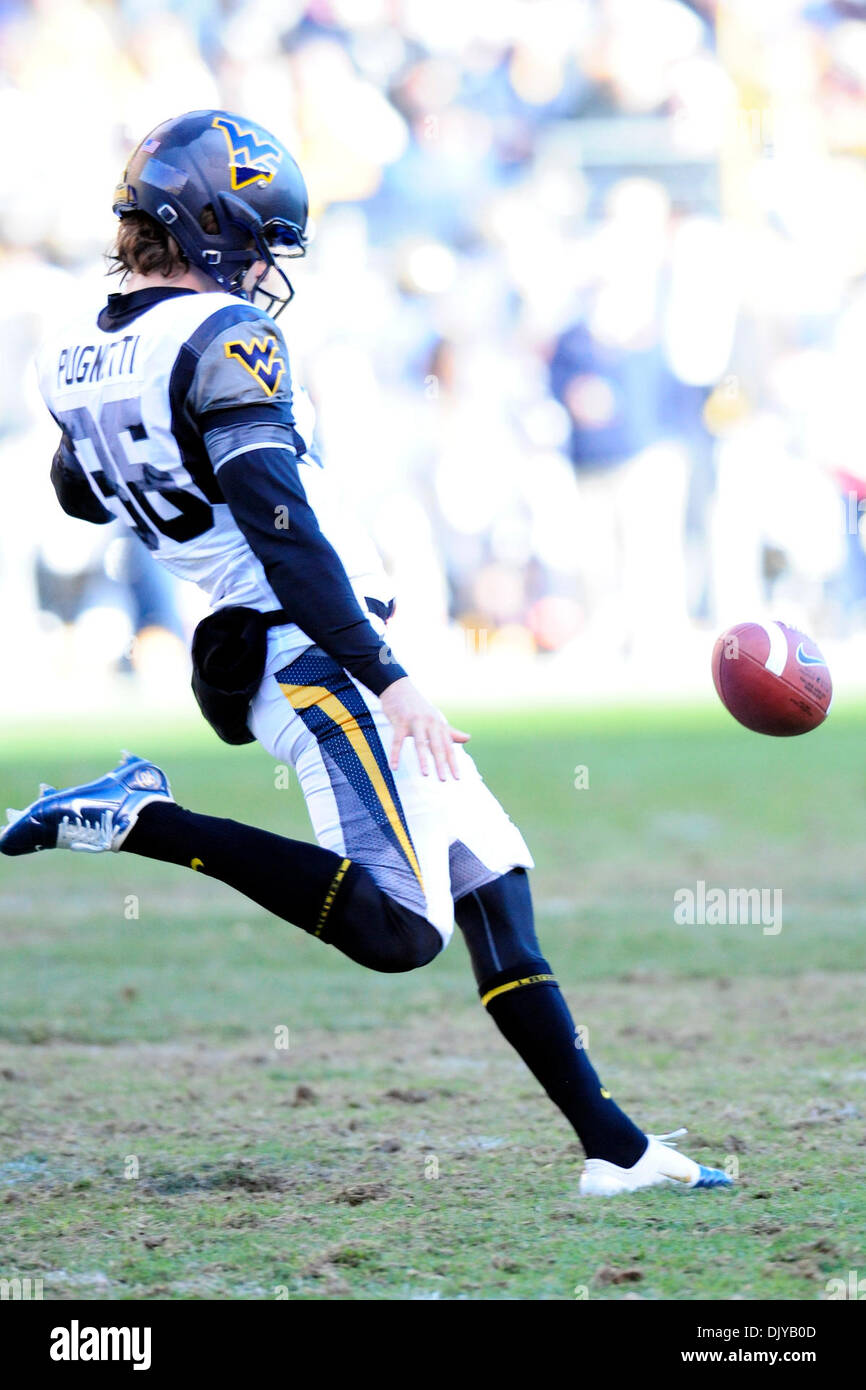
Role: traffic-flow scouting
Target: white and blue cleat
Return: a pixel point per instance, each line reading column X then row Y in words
column 92, row 818
column 660, row 1165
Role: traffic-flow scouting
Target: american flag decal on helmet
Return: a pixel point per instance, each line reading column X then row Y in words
column 261, row 358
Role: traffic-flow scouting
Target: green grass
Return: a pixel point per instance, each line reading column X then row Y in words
column 155, row 1143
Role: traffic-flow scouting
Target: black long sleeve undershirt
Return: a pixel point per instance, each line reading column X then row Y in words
column 302, row 567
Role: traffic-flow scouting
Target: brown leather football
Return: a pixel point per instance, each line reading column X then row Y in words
column 772, row 678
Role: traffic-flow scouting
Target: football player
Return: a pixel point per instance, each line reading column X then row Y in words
column 178, row 415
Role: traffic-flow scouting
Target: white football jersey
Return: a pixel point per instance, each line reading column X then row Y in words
column 130, row 397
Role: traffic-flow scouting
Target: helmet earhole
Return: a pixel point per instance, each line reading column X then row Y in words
column 208, row 220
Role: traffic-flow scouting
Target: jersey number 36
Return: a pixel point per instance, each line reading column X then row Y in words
column 151, row 497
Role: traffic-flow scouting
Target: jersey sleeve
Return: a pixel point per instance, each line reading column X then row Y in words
column 244, row 363
column 232, row 378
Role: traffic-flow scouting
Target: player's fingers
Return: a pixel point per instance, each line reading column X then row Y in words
column 400, row 732
column 440, row 747
column 448, row 762
column 419, row 734
column 450, row 753
column 458, row 735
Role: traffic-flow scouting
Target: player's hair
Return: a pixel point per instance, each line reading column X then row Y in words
column 144, row 246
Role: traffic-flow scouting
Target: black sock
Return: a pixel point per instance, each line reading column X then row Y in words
column 290, row 878
column 519, row 991
column 537, row 1022
column 324, row 893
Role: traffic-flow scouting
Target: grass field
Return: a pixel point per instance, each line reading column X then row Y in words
column 156, row 1143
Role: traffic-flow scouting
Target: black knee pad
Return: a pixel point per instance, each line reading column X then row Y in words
column 497, row 923
column 375, row 931
column 408, row 942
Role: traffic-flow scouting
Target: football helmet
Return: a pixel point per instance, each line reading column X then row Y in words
column 229, row 193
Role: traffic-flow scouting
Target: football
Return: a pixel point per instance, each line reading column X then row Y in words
column 772, row 678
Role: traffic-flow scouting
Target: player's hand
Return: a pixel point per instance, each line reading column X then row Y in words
column 414, row 717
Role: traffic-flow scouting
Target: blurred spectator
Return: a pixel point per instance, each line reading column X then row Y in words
column 583, row 315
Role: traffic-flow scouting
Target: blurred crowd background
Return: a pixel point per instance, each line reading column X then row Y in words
column 583, row 316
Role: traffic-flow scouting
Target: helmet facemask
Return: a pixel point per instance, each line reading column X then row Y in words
column 269, row 242
column 272, row 289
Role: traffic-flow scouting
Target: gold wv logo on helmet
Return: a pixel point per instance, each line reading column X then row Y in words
column 251, row 159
